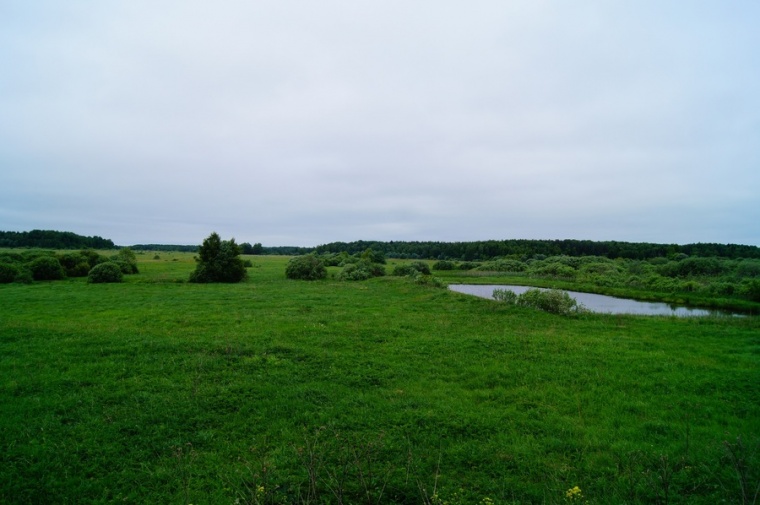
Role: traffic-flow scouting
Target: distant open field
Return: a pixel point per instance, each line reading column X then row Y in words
column 156, row 390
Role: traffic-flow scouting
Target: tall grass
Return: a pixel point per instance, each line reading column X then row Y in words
column 381, row 391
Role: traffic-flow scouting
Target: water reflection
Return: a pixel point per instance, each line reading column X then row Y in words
column 598, row 303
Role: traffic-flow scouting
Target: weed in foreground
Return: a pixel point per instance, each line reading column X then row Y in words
column 745, row 461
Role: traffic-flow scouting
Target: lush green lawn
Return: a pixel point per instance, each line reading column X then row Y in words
column 279, row 391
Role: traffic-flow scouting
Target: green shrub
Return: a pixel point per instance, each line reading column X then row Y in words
column 550, row 300
column 443, row 265
column 31, row 255
column 556, row 270
column 76, row 264
column 663, row 284
column 411, row 269
column 360, row 271
column 376, row 269
column 571, row 261
column 333, row 259
column 505, row 295
column 24, row 276
column 722, row 288
column 692, row 267
column 600, row 268
column 46, row 268
column 373, row 256
column 554, row 301
column 403, row 270
column 748, row 268
column 218, row 261
column 69, row 262
column 421, row 267
column 348, row 260
column 637, row 267
column 502, row 266
column 750, row 289
column 307, row 267
column 125, row 267
column 8, row 273
column 354, row 272
column 426, row 280
column 468, row 265
column 127, row 261
column 11, row 258
column 109, row 271
column 79, row 270
column 93, row 258
column 602, row 273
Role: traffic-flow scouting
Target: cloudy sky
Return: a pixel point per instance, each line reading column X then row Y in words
column 290, row 122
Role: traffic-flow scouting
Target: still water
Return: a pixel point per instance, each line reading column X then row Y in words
column 597, row 303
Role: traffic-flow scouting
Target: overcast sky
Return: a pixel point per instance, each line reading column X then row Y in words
column 301, row 123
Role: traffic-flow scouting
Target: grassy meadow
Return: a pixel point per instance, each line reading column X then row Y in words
column 157, row 390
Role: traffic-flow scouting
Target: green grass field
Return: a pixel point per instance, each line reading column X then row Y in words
column 383, row 391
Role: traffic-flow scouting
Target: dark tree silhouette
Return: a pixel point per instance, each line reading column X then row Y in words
column 218, row 261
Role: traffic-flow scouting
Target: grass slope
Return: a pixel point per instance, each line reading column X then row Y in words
column 279, row 391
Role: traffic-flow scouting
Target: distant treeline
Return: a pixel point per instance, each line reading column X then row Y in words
column 245, row 248
column 520, row 248
column 164, row 247
column 462, row 251
column 50, row 239
column 287, row 250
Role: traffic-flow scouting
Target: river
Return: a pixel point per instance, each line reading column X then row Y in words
column 598, row 303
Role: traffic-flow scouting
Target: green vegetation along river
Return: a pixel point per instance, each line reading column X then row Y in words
column 600, row 303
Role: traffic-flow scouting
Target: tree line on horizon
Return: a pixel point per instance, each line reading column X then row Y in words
column 460, row 251
column 51, row 239
column 490, row 249
column 528, row 248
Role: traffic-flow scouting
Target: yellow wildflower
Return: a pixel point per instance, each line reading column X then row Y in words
column 574, row 493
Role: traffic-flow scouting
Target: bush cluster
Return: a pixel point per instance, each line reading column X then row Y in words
column 76, row 264
column 503, row 265
column 555, row 270
column 218, row 261
column 678, row 273
column 47, row 268
column 335, row 259
column 444, row 265
column 110, row 271
column 28, row 266
column 372, row 256
column 453, row 265
column 361, row 270
column 554, row 301
column 415, row 267
column 505, row 295
column 307, row 267
column 426, row 280
column 419, row 273
column 126, row 260
column 354, row 267
column 8, row 273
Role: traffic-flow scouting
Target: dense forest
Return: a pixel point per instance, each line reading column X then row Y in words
column 50, row 239
column 523, row 249
column 164, row 247
column 459, row 251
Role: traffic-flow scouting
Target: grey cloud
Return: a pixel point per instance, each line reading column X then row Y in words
column 291, row 123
